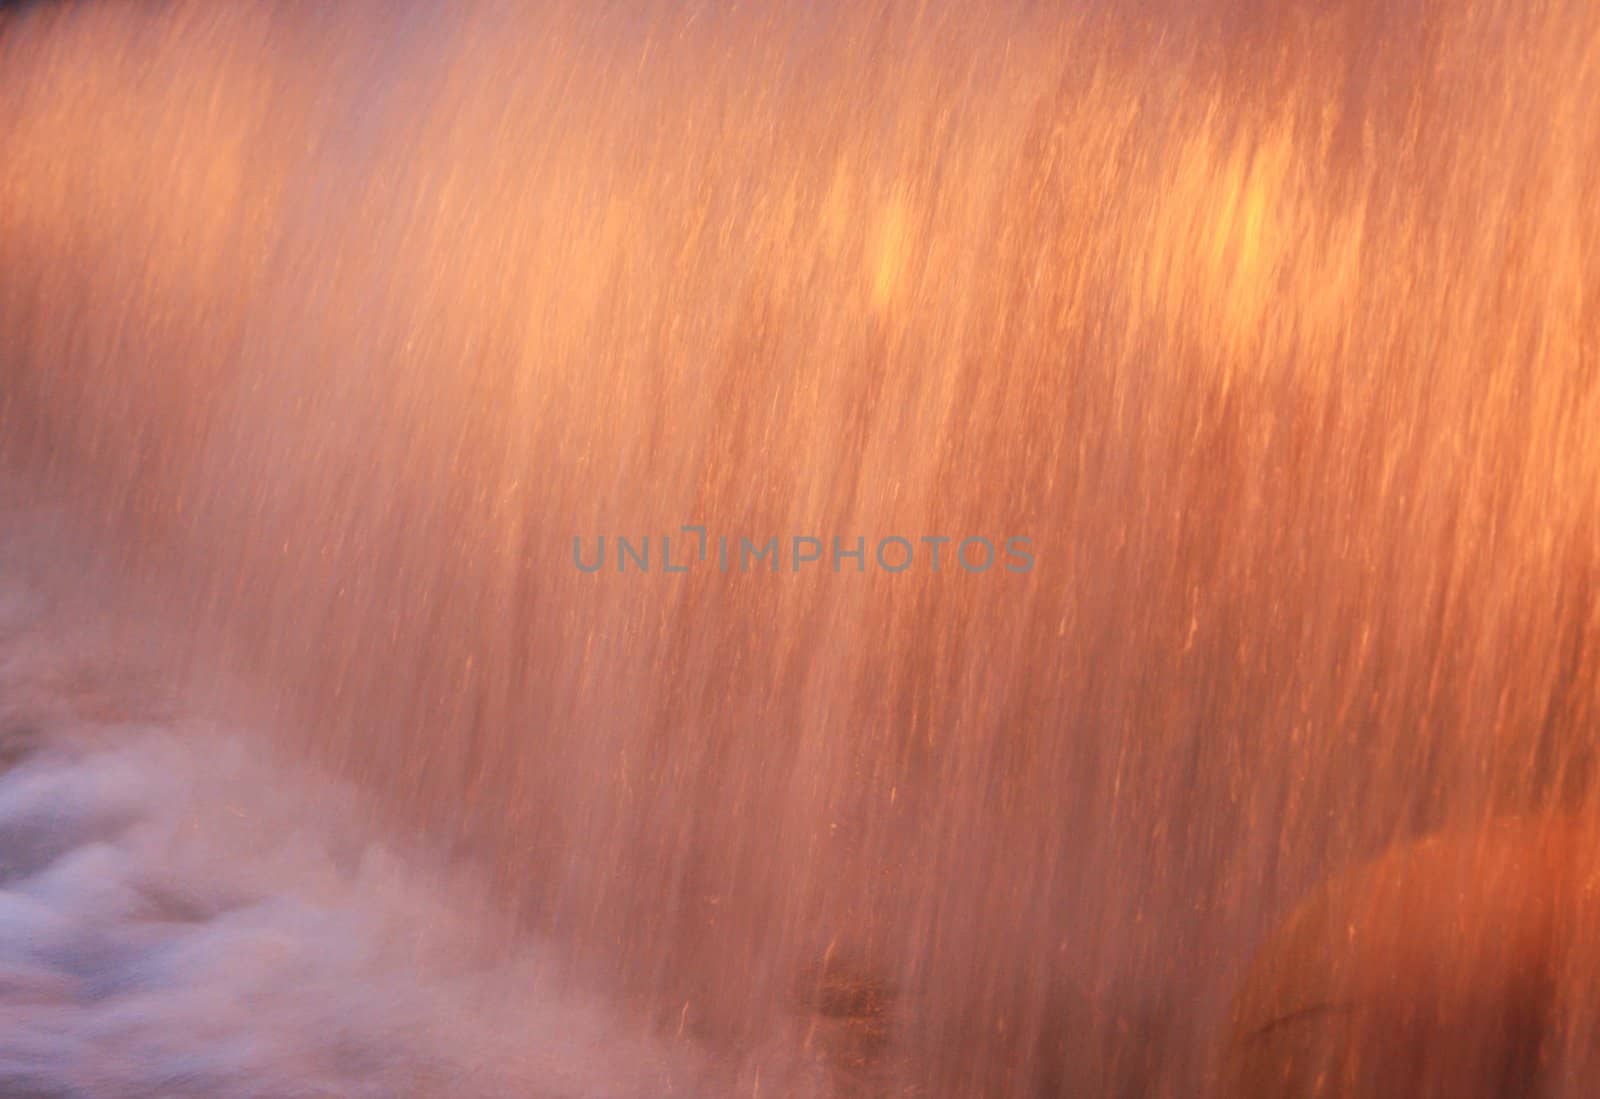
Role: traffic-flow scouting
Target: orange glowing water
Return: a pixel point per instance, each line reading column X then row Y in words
column 1272, row 326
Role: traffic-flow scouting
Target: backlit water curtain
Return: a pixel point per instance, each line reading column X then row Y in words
column 1251, row 348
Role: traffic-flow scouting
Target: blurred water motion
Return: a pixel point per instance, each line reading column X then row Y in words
column 1271, row 325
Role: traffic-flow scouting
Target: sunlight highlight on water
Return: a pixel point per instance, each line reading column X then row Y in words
column 1271, row 327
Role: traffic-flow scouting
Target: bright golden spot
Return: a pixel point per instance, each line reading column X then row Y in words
column 890, row 243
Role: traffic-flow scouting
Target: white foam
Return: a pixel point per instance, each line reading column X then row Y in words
column 182, row 914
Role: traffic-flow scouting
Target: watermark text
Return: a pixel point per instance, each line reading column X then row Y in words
column 693, row 547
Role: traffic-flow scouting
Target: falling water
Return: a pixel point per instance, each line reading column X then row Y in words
column 1257, row 341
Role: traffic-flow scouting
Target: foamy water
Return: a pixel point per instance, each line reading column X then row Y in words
column 182, row 914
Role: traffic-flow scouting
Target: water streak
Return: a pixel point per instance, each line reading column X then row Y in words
column 1271, row 325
